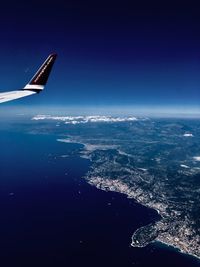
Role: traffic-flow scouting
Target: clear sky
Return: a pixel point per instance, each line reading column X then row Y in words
column 144, row 54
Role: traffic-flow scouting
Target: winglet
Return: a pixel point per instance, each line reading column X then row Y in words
column 39, row 80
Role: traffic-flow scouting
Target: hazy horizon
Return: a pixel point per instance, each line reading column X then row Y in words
column 107, row 110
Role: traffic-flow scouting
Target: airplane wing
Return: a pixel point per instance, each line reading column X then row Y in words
column 36, row 84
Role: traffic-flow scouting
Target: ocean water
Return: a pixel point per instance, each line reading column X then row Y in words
column 50, row 216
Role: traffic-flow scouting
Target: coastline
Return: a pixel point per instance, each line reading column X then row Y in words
column 120, row 187
column 106, row 188
column 178, row 250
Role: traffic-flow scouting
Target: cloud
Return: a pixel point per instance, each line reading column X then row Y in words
column 84, row 119
column 188, row 135
column 197, row 158
column 185, row 166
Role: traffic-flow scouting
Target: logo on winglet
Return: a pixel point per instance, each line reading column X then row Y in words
column 43, row 70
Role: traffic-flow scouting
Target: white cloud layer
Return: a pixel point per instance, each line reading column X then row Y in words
column 84, row 119
column 188, row 135
column 197, row 158
column 184, row 166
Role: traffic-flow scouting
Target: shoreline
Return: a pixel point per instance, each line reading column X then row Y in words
column 90, row 180
column 147, row 206
column 175, row 248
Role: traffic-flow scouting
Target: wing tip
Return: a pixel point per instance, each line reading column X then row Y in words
column 54, row 55
column 41, row 76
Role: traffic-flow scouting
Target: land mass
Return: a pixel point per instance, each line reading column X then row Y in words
column 156, row 163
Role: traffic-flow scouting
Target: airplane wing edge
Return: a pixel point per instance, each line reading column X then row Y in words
column 12, row 95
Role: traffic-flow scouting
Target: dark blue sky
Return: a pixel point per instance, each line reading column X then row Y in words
column 108, row 53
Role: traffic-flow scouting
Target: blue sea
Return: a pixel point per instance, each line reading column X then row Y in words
column 50, row 216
